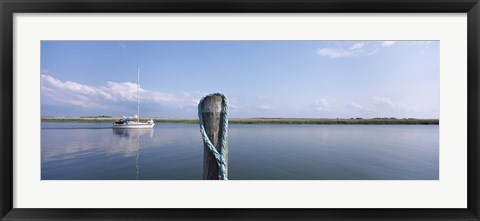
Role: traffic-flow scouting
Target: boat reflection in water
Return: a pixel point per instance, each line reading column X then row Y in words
column 132, row 136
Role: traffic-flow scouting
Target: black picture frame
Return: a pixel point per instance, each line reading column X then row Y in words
column 9, row 7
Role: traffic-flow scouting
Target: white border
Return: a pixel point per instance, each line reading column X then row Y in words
column 448, row 192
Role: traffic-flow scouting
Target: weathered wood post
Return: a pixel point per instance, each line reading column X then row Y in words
column 212, row 109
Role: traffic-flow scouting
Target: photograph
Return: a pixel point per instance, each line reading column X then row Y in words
column 227, row 110
column 240, row 109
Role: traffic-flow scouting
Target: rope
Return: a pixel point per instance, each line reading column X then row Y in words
column 219, row 156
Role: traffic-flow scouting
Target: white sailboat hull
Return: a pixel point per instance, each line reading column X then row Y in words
column 134, row 125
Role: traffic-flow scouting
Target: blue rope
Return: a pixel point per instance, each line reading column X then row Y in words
column 219, row 156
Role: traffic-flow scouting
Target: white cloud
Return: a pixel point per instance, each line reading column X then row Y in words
column 372, row 52
column 265, row 107
column 348, row 49
column 127, row 91
column 343, row 49
column 321, row 104
column 73, row 93
column 85, row 102
column 357, row 46
column 121, row 91
column 233, row 103
column 336, row 53
column 355, row 106
column 387, row 43
column 85, row 96
column 385, row 102
column 425, row 44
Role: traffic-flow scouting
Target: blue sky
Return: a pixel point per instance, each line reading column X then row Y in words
column 312, row 79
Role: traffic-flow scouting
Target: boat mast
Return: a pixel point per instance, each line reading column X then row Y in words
column 138, row 94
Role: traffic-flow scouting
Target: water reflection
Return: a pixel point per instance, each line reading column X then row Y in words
column 96, row 151
column 133, row 136
column 58, row 144
column 133, row 133
column 77, row 151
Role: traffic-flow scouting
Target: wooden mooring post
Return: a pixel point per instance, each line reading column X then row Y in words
column 211, row 110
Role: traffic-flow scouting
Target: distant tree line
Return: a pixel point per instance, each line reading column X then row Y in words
column 101, row 116
column 383, row 118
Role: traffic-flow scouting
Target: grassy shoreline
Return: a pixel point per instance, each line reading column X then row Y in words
column 261, row 120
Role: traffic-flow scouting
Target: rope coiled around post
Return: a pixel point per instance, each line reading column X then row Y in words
column 219, row 155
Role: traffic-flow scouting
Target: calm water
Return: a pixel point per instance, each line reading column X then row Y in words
column 86, row 151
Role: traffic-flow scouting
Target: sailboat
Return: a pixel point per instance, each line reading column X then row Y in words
column 134, row 122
